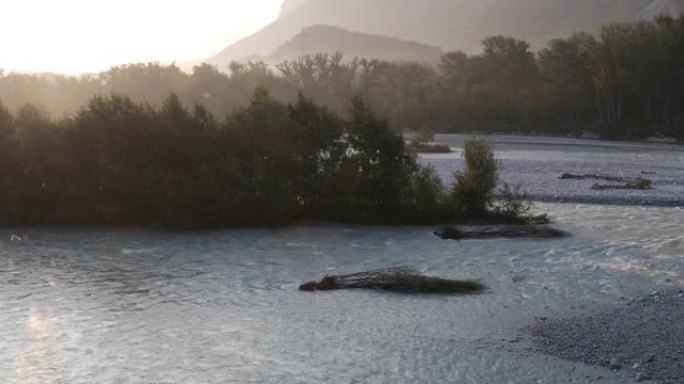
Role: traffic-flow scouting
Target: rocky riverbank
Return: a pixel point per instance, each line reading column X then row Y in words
column 643, row 337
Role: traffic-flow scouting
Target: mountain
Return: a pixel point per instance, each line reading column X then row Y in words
column 328, row 39
column 658, row 7
column 449, row 24
column 291, row 5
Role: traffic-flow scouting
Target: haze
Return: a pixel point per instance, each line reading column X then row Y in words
column 74, row 36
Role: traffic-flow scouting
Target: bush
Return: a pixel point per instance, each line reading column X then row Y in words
column 473, row 189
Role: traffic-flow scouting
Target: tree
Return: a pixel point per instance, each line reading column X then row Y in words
column 384, row 165
column 473, row 189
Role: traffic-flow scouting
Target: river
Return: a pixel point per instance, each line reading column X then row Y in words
column 107, row 306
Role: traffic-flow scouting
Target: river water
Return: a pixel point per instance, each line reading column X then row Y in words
column 146, row 307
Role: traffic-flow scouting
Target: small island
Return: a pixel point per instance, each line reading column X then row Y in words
column 424, row 142
column 401, row 280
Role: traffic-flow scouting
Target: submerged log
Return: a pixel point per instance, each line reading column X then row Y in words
column 623, row 183
column 404, row 280
column 501, row 232
column 633, row 184
column 570, row 176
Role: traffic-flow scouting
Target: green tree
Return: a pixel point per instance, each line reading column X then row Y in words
column 474, row 188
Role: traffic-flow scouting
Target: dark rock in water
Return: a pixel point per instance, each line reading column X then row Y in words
column 501, row 231
column 614, row 364
column 449, row 233
column 311, row 286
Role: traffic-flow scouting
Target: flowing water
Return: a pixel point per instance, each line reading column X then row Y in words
column 145, row 307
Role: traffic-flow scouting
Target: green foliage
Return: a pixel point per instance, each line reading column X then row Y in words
column 474, row 188
column 384, row 165
column 125, row 163
column 423, row 138
column 511, row 205
column 118, row 162
column 426, row 134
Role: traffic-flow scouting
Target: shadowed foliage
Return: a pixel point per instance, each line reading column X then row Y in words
column 118, row 162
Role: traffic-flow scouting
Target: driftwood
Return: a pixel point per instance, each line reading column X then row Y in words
column 623, row 183
column 637, row 184
column 501, row 232
column 404, row 280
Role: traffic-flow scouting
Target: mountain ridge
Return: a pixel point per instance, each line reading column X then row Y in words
column 448, row 24
column 329, row 39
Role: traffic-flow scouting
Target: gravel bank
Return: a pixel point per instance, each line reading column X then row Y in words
column 643, row 337
column 540, row 180
column 536, row 163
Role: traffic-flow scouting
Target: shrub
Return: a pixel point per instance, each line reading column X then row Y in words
column 473, row 189
column 510, row 203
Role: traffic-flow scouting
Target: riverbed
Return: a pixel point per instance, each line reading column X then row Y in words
column 536, row 164
column 84, row 305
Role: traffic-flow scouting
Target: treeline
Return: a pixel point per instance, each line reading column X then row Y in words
column 626, row 81
column 118, row 162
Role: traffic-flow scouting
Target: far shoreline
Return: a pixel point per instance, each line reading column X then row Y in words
column 537, row 163
column 509, row 138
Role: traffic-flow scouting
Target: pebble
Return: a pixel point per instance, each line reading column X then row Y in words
column 614, row 364
column 626, row 336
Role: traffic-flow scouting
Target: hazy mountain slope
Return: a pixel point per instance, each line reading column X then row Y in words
column 327, row 39
column 658, row 7
column 450, row 24
column 290, row 5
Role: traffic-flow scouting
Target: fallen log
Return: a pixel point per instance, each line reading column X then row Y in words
column 633, row 184
column 617, row 179
column 404, row 280
column 623, row 183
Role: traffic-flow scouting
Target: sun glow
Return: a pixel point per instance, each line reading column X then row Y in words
column 74, row 36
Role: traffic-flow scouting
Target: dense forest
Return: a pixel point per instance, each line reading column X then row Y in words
column 626, row 82
column 118, row 162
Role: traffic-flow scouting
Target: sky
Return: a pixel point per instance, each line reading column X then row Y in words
column 78, row 36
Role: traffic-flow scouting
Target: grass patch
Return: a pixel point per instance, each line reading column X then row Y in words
column 402, row 280
column 501, row 232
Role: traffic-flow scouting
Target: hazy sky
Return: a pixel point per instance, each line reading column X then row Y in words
column 72, row 36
